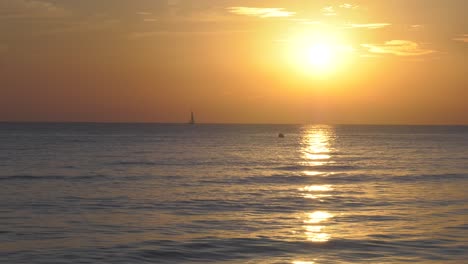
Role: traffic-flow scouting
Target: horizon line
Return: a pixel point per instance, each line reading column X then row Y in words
column 233, row 123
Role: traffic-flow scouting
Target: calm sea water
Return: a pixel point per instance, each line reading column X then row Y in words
column 151, row 193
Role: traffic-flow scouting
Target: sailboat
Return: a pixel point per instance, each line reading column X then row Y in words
column 192, row 119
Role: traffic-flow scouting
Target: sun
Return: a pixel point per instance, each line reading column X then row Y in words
column 317, row 54
column 320, row 56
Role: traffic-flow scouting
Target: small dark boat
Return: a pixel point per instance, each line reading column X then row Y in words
column 281, row 135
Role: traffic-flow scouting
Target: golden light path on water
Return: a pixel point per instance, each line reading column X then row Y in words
column 303, row 262
column 316, row 153
column 316, row 146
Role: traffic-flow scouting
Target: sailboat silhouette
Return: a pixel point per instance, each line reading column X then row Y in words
column 192, row 119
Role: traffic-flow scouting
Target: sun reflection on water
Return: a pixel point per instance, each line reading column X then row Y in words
column 312, row 173
column 316, row 152
column 318, row 217
column 315, row 196
column 311, row 189
column 315, row 232
column 317, row 188
column 317, row 237
column 316, row 146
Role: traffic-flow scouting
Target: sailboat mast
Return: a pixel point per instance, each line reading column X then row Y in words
column 192, row 118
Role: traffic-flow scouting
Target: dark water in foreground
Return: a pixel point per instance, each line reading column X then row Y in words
column 147, row 193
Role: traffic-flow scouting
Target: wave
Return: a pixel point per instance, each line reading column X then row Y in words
column 253, row 250
column 139, row 163
column 317, row 168
column 76, row 177
column 182, row 163
column 51, row 177
column 328, row 178
column 370, row 177
column 429, row 177
column 240, row 249
column 286, row 179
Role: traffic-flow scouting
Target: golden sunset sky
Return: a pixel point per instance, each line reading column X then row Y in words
column 334, row 62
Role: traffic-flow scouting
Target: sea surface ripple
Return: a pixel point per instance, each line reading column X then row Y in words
column 167, row 193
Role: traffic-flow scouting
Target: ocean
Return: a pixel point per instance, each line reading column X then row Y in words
column 175, row 193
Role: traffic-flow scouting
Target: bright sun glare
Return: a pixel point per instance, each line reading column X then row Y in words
column 320, row 56
column 318, row 53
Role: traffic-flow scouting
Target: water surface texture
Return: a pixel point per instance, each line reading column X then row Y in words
column 152, row 193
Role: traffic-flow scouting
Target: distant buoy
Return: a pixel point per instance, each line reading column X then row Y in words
column 281, row 135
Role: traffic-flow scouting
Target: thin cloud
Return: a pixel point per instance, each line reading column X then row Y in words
column 398, row 48
column 332, row 10
column 348, row 6
column 92, row 24
column 369, row 25
column 329, row 11
column 370, row 56
column 415, row 27
column 148, row 34
column 143, row 13
column 17, row 9
column 306, row 21
column 260, row 12
column 462, row 38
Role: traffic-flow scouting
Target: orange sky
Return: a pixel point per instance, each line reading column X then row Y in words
column 338, row 62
